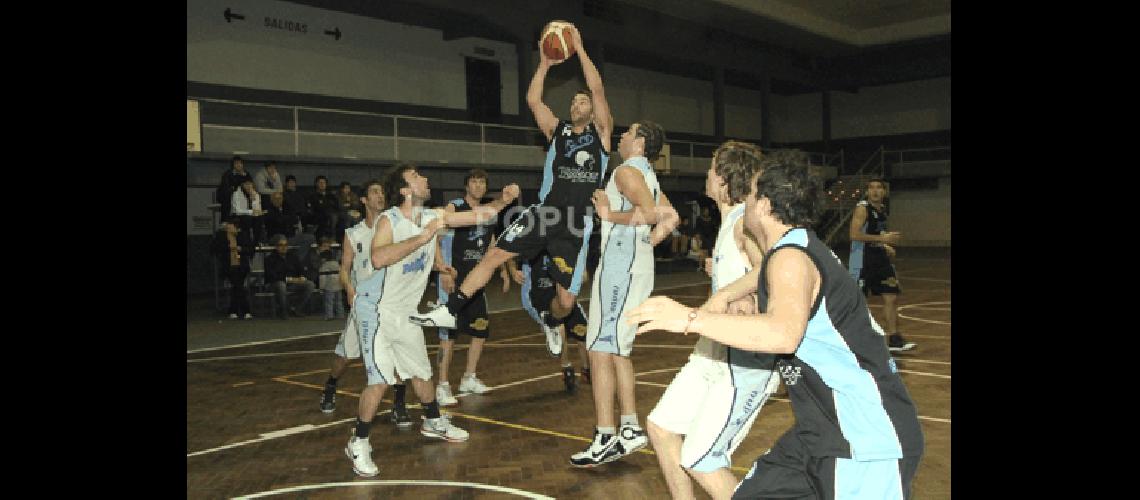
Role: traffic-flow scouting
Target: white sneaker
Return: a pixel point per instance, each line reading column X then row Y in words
column 439, row 317
column 632, row 438
column 443, row 395
column 360, row 451
column 233, row 316
column 553, row 338
column 604, row 448
column 248, row 316
column 441, row 428
column 472, row 385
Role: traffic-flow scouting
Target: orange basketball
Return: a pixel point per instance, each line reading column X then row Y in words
column 557, row 40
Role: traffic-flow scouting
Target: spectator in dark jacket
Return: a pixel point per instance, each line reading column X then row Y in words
column 284, row 274
column 294, row 200
column 231, row 180
column 323, row 208
column 233, row 249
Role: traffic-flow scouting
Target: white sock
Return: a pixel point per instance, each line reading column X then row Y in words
column 606, row 430
column 629, row 420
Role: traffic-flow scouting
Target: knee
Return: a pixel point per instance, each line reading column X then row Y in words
column 565, row 299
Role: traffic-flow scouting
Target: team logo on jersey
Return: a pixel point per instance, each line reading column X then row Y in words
column 513, row 232
column 791, row 374
column 580, row 330
column 562, row 265
column 480, row 324
column 416, row 265
column 891, row 282
column 608, row 339
column 572, row 146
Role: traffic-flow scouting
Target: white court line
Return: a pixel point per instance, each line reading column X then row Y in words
column 925, row 374
column 400, row 482
column 273, row 354
column 934, row 337
column 925, row 279
column 234, row 346
column 919, row 305
column 489, row 389
column 784, row 400
column 928, row 361
column 277, row 434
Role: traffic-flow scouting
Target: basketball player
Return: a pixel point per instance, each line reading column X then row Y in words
column 624, row 277
column 856, row 431
column 462, row 248
column 870, row 258
column 355, row 268
column 537, row 292
column 561, row 224
column 403, row 252
column 711, row 404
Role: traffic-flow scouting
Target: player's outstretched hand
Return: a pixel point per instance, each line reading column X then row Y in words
column 518, row 276
column 601, row 204
column 511, row 192
column 659, row 313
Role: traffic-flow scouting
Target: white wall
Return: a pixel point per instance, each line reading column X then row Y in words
column 923, row 217
column 374, row 59
column 920, row 106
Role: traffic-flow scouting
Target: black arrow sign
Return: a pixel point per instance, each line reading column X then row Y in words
column 231, row 15
column 335, row 33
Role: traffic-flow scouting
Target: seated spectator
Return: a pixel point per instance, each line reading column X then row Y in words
column 268, row 181
column 231, row 180
column 350, row 207
column 245, row 203
column 331, row 287
column 233, row 250
column 323, row 208
column 284, row 274
column 680, row 238
column 294, row 200
column 279, row 219
column 698, row 251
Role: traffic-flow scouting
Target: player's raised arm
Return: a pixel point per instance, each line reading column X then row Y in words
column 602, row 117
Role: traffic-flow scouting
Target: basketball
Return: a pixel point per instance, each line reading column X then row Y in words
column 557, row 41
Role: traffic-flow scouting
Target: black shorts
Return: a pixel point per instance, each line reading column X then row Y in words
column 472, row 319
column 541, row 228
column 540, row 298
column 879, row 278
column 788, row 471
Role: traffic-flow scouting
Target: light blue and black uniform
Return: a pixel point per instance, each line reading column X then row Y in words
column 562, row 221
column 856, row 433
column 463, row 248
column 868, row 262
column 538, row 291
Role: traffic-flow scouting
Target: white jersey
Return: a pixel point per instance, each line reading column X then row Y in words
column 729, row 264
column 360, row 237
column 406, row 279
column 630, row 239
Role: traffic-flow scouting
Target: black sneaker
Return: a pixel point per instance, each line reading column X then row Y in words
column 400, row 417
column 897, row 343
column 328, row 401
column 586, row 375
column 568, row 378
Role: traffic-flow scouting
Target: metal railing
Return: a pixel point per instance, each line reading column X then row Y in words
column 237, row 127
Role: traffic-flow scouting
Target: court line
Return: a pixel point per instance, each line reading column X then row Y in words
column 785, row 400
column 925, row 374
column 400, row 482
column 267, row 355
column 925, row 279
column 273, row 435
column 928, row 361
column 240, row 384
column 920, row 304
column 260, row 342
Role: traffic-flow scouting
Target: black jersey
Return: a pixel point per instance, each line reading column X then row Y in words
column 463, row 247
column 575, row 167
column 847, row 396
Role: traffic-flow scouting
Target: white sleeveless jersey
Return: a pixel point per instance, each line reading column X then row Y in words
column 360, row 237
column 406, row 280
column 630, row 240
column 729, row 264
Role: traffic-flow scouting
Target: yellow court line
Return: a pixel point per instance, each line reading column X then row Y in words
column 490, row 421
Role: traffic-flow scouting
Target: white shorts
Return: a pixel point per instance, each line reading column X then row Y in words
column 348, row 346
column 714, row 416
column 611, row 296
column 397, row 346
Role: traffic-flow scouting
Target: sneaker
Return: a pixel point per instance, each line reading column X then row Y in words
column 328, row 401
column 632, row 438
column 360, row 452
column 898, row 343
column 439, row 317
column 472, row 385
column 443, row 395
column 441, row 428
column 586, row 375
column 233, row 316
column 400, row 417
column 568, row 378
column 604, row 448
column 553, row 339
column 248, row 316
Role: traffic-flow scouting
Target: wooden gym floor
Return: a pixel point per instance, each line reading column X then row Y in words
column 253, row 426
